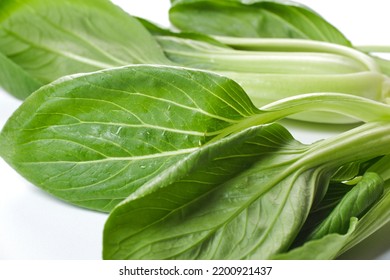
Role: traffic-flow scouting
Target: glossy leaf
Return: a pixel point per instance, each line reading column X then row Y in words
column 260, row 18
column 225, row 219
column 260, row 210
column 93, row 139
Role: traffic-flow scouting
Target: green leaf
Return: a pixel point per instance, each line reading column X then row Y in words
column 354, row 204
column 227, row 219
column 326, row 248
column 15, row 80
column 332, row 245
column 260, row 210
column 379, row 214
column 93, row 139
column 50, row 39
column 374, row 219
column 263, row 19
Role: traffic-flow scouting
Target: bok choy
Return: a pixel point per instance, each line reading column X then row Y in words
column 51, row 39
column 96, row 147
column 195, row 160
column 175, row 134
column 281, row 68
column 284, row 26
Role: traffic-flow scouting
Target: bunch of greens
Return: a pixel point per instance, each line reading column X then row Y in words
column 182, row 159
column 47, row 40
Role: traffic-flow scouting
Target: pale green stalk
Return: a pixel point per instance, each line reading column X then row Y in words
column 294, row 45
column 360, row 109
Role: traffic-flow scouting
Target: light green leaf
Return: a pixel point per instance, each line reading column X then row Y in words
column 50, row 39
column 260, row 18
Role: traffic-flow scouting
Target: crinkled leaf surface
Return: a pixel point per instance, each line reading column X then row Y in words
column 50, row 39
column 259, row 18
column 93, row 139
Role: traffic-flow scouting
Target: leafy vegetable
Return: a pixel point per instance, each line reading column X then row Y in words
column 280, row 68
column 262, row 27
column 260, row 210
column 184, row 160
column 110, row 37
column 83, row 140
column 190, row 132
column 184, row 211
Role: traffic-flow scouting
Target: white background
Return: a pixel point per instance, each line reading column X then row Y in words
column 34, row 225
